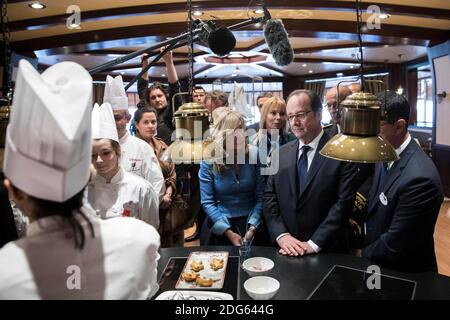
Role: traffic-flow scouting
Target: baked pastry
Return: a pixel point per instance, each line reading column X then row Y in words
column 189, row 276
column 197, row 266
column 204, row 282
column 216, row 264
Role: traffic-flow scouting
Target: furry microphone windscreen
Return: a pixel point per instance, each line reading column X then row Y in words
column 221, row 41
column 277, row 40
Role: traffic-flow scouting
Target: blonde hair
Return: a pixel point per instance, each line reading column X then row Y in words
column 280, row 106
column 227, row 120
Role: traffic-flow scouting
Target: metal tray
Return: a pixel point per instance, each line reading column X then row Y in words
column 218, row 276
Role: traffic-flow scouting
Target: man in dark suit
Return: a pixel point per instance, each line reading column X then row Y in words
column 404, row 200
column 331, row 100
column 308, row 201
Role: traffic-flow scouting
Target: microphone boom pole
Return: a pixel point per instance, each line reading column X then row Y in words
column 136, row 53
column 173, row 42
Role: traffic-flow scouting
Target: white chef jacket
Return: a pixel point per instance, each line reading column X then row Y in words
column 126, row 195
column 119, row 263
column 138, row 157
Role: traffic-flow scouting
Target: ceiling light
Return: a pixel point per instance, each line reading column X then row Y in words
column 339, row 74
column 384, row 16
column 122, row 72
column 74, row 25
column 304, row 65
column 37, row 5
column 198, row 13
column 351, row 67
column 258, row 11
column 163, row 75
column 310, row 71
column 386, row 46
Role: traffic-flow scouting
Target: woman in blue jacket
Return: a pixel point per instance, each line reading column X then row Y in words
column 231, row 190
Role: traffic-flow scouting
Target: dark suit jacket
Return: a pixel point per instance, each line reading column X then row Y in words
column 331, row 130
column 399, row 233
column 321, row 211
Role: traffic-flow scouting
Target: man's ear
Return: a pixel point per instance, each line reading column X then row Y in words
column 400, row 124
column 16, row 194
column 128, row 117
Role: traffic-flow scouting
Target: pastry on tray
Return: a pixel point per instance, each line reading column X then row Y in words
column 197, row 266
column 204, row 282
column 216, row 264
column 189, row 276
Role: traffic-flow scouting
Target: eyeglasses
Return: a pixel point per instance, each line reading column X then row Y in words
column 299, row 115
column 332, row 105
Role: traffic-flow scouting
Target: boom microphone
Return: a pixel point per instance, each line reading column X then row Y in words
column 277, row 40
column 221, row 41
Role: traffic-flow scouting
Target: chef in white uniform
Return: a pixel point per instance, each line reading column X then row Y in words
column 138, row 156
column 67, row 252
column 113, row 192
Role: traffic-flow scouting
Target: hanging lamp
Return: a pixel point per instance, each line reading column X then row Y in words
column 361, row 112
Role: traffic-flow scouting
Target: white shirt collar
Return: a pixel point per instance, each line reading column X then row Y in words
column 400, row 149
column 313, row 144
column 403, row 146
column 115, row 179
column 124, row 138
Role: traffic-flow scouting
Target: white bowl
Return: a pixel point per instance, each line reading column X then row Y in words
column 257, row 266
column 261, row 288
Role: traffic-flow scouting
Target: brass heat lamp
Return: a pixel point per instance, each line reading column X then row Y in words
column 192, row 144
column 360, row 122
column 359, row 140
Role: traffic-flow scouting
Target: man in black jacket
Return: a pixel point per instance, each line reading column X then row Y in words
column 308, row 201
column 405, row 199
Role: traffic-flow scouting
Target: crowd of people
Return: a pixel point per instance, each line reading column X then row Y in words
column 100, row 202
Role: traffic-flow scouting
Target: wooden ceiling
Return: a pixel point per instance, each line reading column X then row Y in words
column 322, row 33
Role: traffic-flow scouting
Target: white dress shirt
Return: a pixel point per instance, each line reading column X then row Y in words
column 126, row 195
column 120, row 262
column 138, row 157
column 400, row 149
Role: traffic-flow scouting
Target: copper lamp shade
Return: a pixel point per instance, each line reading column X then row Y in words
column 359, row 140
column 191, row 144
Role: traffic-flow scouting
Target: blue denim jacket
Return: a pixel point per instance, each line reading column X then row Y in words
column 226, row 196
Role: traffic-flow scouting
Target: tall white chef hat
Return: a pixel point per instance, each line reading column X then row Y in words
column 103, row 124
column 115, row 93
column 48, row 140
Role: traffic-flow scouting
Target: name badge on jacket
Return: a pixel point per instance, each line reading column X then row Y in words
column 383, row 199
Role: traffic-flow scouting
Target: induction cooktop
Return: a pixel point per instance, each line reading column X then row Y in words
column 345, row 283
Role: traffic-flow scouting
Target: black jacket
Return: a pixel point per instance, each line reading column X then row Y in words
column 400, row 221
column 321, row 211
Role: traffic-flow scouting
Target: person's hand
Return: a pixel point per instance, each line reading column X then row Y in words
column 308, row 249
column 290, row 246
column 144, row 60
column 167, row 58
column 250, row 234
column 166, row 201
column 234, row 238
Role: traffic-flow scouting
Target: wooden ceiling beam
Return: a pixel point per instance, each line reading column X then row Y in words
column 325, row 29
column 335, row 46
column 334, row 60
column 179, row 7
